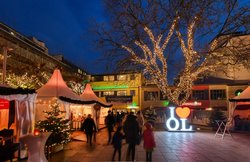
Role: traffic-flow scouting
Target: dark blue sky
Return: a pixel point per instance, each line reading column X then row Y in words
column 62, row 24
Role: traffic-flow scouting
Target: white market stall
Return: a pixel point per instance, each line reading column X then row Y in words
column 98, row 110
column 56, row 88
column 19, row 113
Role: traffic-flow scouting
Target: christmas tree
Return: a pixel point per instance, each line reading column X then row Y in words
column 55, row 123
column 216, row 115
column 150, row 115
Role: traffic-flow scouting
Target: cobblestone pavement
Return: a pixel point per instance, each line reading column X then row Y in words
column 171, row 147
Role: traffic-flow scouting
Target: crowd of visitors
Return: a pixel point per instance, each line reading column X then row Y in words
column 128, row 126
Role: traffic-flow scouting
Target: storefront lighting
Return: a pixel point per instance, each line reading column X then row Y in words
column 109, row 87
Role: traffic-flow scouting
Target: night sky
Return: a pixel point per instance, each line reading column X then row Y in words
column 63, row 25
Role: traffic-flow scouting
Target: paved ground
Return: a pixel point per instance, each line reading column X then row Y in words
column 171, row 147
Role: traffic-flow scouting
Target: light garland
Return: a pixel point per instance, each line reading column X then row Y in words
column 23, row 81
column 195, row 63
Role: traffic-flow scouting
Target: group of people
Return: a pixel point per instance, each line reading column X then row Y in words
column 130, row 128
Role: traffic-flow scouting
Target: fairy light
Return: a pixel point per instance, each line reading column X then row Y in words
column 23, row 81
column 195, row 63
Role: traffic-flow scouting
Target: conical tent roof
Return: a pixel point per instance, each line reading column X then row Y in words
column 56, row 87
column 89, row 96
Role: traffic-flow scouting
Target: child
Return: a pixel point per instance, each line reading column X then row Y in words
column 149, row 141
column 117, row 142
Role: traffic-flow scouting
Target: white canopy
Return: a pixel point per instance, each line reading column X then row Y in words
column 24, row 109
column 56, row 87
column 89, row 96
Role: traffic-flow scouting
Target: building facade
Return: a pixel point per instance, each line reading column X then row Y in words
column 20, row 54
column 122, row 90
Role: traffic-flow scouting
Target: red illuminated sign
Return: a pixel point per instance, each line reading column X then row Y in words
column 4, row 104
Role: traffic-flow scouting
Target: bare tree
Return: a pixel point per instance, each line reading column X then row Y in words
column 190, row 38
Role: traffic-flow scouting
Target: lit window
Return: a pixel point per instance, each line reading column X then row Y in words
column 109, row 78
column 218, row 94
column 121, row 77
column 108, row 93
column 121, row 93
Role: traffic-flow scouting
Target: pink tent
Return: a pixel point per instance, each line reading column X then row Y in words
column 99, row 110
column 89, row 96
column 56, row 88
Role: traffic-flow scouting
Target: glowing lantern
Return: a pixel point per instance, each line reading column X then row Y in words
column 36, row 132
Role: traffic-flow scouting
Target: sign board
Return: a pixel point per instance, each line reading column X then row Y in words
column 4, row 104
column 122, row 99
column 174, row 124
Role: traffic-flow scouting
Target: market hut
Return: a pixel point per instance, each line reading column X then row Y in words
column 17, row 110
column 98, row 109
column 56, row 88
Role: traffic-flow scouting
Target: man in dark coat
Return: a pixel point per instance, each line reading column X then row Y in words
column 131, row 130
column 110, row 122
column 89, row 127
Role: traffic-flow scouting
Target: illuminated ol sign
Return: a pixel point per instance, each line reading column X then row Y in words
column 183, row 113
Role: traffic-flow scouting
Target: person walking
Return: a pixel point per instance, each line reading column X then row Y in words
column 131, row 130
column 89, row 127
column 117, row 143
column 149, row 141
column 140, row 120
column 110, row 122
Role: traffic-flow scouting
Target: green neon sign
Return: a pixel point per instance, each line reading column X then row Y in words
column 134, row 104
column 165, row 103
column 109, row 87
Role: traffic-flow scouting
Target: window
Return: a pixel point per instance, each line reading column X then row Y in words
column 108, row 93
column 200, row 94
column 163, row 97
column 121, row 77
column 97, row 94
column 150, row 96
column 97, row 78
column 218, row 94
column 132, row 77
column 121, row 93
column 109, row 78
column 132, row 92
